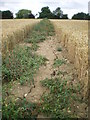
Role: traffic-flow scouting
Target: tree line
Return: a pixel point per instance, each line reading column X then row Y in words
column 45, row 13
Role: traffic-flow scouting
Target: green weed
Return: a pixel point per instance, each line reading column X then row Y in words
column 15, row 110
column 34, row 47
column 56, row 103
column 40, row 31
column 59, row 62
column 21, row 64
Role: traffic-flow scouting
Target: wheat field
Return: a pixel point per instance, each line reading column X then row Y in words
column 73, row 35
column 15, row 31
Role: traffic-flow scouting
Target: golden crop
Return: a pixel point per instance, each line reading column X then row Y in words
column 73, row 35
column 14, row 31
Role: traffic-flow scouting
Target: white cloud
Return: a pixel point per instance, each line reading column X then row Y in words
column 69, row 7
column 72, row 7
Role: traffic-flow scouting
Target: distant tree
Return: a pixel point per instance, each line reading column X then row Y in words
column 88, row 16
column 58, row 13
column 65, row 16
column 0, row 14
column 31, row 16
column 7, row 14
column 81, row 16
column 45, row 13
column 23, row 13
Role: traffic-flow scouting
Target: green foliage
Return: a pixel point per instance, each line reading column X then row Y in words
column 45, row 13
column 0, row 14
column 59, row 62
column 23, row 13
column 7, row 14
column 81, row 16
column 65, row 16
column 31, row 16
column 21, row 64
column 40, row 31
column 34, row 47
column 58, row 13
column 17, row 109
column 56, row 103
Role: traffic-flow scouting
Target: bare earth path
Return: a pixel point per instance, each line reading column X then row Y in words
column 46, row 49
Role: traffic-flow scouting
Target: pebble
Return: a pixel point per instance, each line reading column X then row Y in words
column 25, row 95
column 48, row 62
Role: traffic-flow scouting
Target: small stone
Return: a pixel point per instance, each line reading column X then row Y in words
column 48, row 62
column 77, row 106
column 25, row 95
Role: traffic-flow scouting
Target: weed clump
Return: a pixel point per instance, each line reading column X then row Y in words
column 40, row 31
column 20, row 109
column 56, row 103
column 21, row 64
column 59, row 62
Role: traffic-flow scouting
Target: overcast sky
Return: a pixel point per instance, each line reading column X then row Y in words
column 69, row 7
